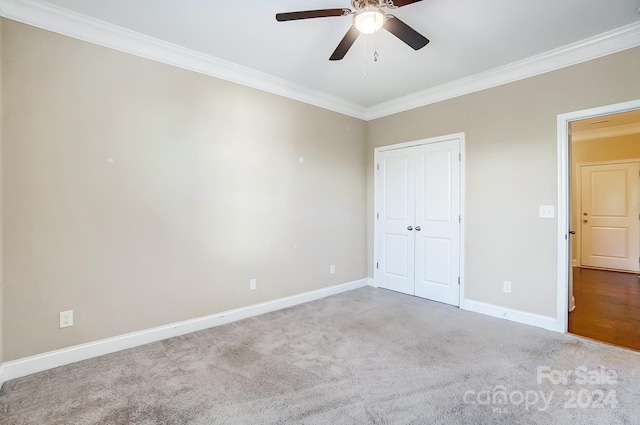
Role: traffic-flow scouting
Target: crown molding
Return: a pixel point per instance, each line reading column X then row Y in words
column 606, row 133
column 63, row 21
column 607, row 43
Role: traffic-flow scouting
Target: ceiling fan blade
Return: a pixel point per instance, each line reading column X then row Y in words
column 308, row 14
column 405, row 33
column 400, row 3
column 346, row 43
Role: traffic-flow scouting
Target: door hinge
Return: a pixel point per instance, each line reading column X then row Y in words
column 378, row 216
column 459, row 219
column 377, row 166
column 376, row 265
column 458, row 280
column 460, row 157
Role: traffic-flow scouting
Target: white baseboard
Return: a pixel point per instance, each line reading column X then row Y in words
column 545, row 322
column 38, row 363
column 371, row 282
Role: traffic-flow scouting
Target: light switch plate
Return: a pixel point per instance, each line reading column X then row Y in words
column 547, row 211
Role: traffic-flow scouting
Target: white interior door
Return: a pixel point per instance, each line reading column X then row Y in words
column 437, row 224
column 417, row 220
column 395, row 186
column 610, row 216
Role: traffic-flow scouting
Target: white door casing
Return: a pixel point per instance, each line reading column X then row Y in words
column 610, row 216
column 417, row 224
column 563, row 264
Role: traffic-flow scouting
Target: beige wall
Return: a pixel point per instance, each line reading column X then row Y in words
column 511, row 169
column 608, row 149
column 597, row 150
column 139, row 194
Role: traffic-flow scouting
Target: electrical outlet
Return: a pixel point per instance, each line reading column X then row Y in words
column 66, row 318
column 332, row 269
column 506, row 286
column 253, row 284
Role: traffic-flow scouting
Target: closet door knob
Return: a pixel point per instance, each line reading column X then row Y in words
column 409, row 228
column 417, row 228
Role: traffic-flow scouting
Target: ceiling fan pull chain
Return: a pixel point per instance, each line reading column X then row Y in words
column 364, row 56
column 375, row 49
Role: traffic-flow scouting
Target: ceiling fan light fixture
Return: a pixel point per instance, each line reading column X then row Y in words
column 369, row 20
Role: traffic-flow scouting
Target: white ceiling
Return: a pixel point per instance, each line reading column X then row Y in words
column 467, row 37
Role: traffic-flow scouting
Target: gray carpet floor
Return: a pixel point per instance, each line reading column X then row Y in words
column 368, row 356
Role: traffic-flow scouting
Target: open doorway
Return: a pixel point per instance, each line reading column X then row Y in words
column 604, row 290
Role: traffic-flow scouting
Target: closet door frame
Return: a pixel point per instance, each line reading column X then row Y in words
column 377, row 201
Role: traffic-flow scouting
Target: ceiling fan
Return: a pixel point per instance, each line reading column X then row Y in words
column 368, row 18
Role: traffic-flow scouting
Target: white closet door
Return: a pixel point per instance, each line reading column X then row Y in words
column 395, row 186
column 437, row 226
column 417, row 220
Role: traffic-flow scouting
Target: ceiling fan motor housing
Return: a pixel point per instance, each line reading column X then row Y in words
column 361, row 4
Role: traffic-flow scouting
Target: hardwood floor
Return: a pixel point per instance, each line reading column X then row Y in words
column 607, row 307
